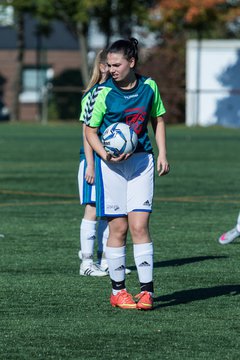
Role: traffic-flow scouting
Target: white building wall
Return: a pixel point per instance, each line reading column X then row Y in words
column 213, row 83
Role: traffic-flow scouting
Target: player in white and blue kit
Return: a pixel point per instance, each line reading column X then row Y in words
column 124, row 185
column 90, row 228
column 86, row 183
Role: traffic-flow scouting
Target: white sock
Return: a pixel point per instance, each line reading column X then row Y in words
column 143, row 256
column 238, row 223
column 116, row 258
column 115, row 292
column 87, row 239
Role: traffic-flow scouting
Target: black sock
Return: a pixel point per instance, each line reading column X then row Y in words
column 147, row 286
column 118, row 285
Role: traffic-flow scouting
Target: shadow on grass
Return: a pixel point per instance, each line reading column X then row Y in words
column 184, row 261
column 186, row 296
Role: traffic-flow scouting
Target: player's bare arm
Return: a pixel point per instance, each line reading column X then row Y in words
column 94, row 141
column 158, row 125
column 90, row 171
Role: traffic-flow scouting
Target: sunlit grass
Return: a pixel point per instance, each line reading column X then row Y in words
column 49, row 312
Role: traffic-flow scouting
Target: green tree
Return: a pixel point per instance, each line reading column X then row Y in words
column 111, row 15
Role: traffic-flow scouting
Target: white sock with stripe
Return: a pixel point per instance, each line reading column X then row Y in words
column 116, row 258
column 87, row 239
column 143, row 256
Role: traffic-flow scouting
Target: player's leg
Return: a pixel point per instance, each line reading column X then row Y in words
column 88, row 233
column 102, row 236
column 143, row 256
column 87, row 240
column 116, row 258
column 230, row 235
column 111, row 202
column 139, row 209
column 87, row 226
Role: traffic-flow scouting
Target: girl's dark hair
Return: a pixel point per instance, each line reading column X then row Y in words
column 129, row 48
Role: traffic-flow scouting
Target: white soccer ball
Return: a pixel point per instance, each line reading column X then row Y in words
column 119, row 138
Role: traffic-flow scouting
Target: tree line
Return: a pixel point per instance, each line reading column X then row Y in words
column 174, row 20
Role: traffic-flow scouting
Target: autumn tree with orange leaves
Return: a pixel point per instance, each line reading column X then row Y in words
column 208, row 16
column 179, row 20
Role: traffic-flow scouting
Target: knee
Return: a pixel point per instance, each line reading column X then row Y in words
column 90, row 212
column 118, row 229
column 139, row 230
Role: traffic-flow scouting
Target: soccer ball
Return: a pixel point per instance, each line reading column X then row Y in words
column 118, row 139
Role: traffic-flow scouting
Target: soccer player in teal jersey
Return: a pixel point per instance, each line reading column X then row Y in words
column 86, row 183
column 125, row 184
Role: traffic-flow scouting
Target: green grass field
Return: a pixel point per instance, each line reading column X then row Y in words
column 47, row 311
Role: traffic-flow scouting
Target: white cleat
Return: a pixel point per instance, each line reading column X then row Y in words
column 229, row 236
column 102, row 265
column 127, row 271
column 92, row 270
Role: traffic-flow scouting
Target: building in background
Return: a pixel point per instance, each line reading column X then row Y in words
column 213, row 83
column 51, row 80
column 47, row 59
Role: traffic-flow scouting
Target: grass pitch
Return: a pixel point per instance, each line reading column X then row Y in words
column 49, row 312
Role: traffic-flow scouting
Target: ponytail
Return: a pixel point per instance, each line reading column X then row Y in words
column 129, row 48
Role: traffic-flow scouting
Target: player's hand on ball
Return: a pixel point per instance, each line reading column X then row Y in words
column 119, row 138
column 119, row 158
column 108, row 157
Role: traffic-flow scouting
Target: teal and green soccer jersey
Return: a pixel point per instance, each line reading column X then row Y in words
column 84, row 105
column 85, row 102
column 109, row 104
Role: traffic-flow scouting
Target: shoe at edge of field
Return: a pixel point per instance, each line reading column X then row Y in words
column 92, row 270
column 144, row 300
column 229, row 236
column 123, row 300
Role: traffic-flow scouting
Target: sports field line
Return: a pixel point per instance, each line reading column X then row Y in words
column 200, row 199
column 231, row 199
column 40, row 203
column 41, row 194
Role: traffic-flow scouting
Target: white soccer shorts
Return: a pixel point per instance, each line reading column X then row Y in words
column 87, row 193
column 125, row 186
